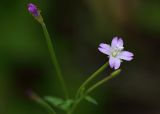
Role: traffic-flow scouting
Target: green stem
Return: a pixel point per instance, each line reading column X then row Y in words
column 101, row 69
column 77, row 101
column 98, row 84
column 114, row 74
column 54, row 59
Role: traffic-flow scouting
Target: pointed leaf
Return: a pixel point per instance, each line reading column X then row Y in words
column 66, row 105
column 55, row 101
column 91, row 100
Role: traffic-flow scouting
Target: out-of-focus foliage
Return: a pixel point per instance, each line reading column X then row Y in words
column 77, row 28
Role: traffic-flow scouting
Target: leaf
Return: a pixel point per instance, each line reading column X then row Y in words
column 91, row 100
column 66, row 105
column 55, row 101
column 59, row 103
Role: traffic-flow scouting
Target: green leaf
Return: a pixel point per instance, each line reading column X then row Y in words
column 66, row 105
column 55, row 101
column 91, row 100
column 59, row 103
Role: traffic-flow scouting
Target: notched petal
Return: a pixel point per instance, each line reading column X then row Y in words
column 120, row 42
column 114, row 62
column 117, row 63
column 114, row 42
column 126, row 55
column 111, row 62
column 103, row 45
column 104, row 48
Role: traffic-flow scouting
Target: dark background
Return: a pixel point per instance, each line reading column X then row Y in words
column 78, row 26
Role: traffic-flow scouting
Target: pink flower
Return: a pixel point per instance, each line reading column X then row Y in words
column 115, row 52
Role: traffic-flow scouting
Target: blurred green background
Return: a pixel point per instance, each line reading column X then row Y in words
column 78, row 26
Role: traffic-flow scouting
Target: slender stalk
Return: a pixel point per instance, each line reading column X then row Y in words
column 82, row 87
column 98, row 84
column 114, row 74
column 54, row 59
column 77, row 101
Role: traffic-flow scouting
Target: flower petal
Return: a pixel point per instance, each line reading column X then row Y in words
column 114, row 62
column 104, row 48
column 111, row 62
column 114, row 42
column 126, row 55
column 103, row 45
column 117, row 63
column 120, row 42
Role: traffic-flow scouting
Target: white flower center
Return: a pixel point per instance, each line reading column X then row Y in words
column 116, row 51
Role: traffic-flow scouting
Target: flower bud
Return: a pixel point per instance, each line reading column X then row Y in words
column 33, row 9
